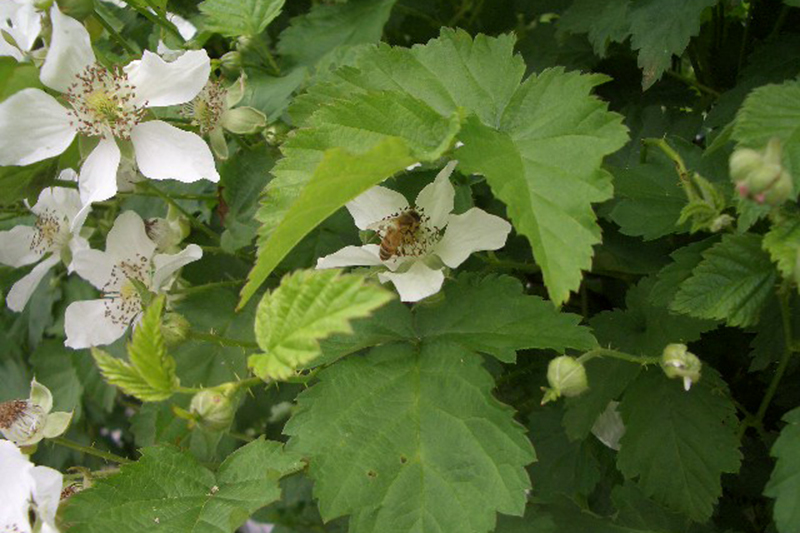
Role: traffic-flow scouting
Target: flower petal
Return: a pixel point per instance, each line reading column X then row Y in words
column 15, row 247
column 56, row 424
column 165, row 152
column 128, row 238
column 167, row 264
column 92, row 265
column 375, row 205
column 367, row 255
column 9, row 50
column 470, row 232
column 61, row 201
column 27, row 24
column 16, row 486
column 416, row 283
column 22, row 290
column 185, row 28
column 87, row 324
column 33, row 127
column 436, row 200
column 47, row 484
column 69, row 54
column 98, row 178
column 160, row 83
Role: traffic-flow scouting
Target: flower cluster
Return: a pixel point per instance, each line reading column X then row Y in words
column 31, row 493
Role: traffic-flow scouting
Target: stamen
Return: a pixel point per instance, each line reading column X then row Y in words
column 21, row 420
column 123, row 303
column 51, row 232
column 205, row 111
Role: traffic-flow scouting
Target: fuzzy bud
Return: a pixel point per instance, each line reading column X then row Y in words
column 174, row 328
column 760, row 176
column 567, row 377
column 678, row 362
column 212, row 409
column 231, row 63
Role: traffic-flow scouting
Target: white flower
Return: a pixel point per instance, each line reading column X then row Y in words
column 26, row 422
column 108, row 105
column 130, row 255
column 22, row 22
column 415, row 267
column 53, row 238
column 25, row 487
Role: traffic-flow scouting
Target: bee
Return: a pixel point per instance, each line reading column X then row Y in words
column 399, row 231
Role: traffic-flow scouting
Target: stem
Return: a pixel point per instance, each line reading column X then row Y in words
column 192, row 220
column 208, row 286
column 694, row 83
column 787, row 354
column 614, row 354
column 156, row 18
column 108, row 456
column 224, row 341
column 680, row 166
column 115, row 35
column 492, row 259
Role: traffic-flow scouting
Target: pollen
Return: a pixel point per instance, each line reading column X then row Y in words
column 51, row 232
column 123, row 303
column 205, row 111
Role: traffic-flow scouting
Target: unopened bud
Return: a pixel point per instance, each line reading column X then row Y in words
column 168, row 232
column 678, row 362
column 760, row 176
column 212, row 409
column 567, row 377
column 174, row 328
column 231, row 63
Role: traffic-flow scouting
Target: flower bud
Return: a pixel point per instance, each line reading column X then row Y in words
column 213, row 410
column 759, row 175
column 168, row 232
column 566, row 376
column 743, row 162
column 678, row 362
column 174, row 328
column 231, row 63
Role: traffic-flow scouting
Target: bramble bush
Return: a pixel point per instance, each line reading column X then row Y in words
column 400, row 266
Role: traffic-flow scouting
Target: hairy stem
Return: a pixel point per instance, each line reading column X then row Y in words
column 223, row 341
column 89, row 450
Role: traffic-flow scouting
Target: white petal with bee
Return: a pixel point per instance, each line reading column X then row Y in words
column 416, row 283
column 436, row 200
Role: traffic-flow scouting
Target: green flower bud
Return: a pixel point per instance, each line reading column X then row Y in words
column 743, row 162
column 231, row 63
column 567, row 377
column 759, row 175
column 678, row 362
column 174, row 328
column 168, row 232
column 212, row 409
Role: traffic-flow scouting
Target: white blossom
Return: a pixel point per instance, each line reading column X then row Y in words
column 442, row 239
column 109, row 106
column 26, row 422
column 21, row 21
column 27, row 491
column 130, row 255
column 608, row 427
column 53, row 238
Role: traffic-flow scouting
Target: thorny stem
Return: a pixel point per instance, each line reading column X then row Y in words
column 694, row 83
column 207, row 286
column 614, row 354
column 223, row 341
column 492, row 259
column 115, row 35
column 680, row 167
column 156, row 18
column 89, row 450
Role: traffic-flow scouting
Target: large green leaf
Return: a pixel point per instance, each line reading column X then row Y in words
column 669, row 278
column 784, row 484
column 782, row 242
column 409, row 439
column 731, row 283
column 326, row 27
column 170, row 491
column 234, row 18
column 309, row 305
column 605, row 21
column 678, row 443
column 492, row 315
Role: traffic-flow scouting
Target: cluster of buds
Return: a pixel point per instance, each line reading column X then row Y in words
column 26, row 422
column 566, row 377
column 678, row 362
column 759, row 175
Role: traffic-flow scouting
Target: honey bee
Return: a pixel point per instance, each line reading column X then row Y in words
column 399, row 231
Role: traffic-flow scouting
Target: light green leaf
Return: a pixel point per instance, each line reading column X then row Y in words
column 678, row 443
column 148, row 353
column 410, row 439
column 492, row 315
column 234, row 18
column 327, row 27
column 307, row 307
column 544, row 163
column 772, row 111
column 171, row 492
column 784, row 484
column 670, row 277
column 731, row 283
column 782, row 242
column 120, row 374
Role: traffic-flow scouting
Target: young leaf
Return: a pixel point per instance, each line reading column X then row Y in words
column 150, row 375
column 782, row 242
column 731, row 283
column 308, row 306
column 235, row 18
column 327, row 27
column 410, row 439
column 784, row 484
column 679, row 443
column 168, row 490
column 492, row 315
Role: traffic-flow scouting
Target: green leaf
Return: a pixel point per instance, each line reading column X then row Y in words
column 670, row 277
column 309, row 305
column 679, row 443
column 563, row 467
column 784, row 483
column 150, row 375
column 170, row 491
column 635, row 510
column 410, row 439
column 772, row 111
column 605, row 21
column 731, row 283
column 492, row 315
column 311, row 37
column 544, row 163
column 234, row 18
column 782, row 242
